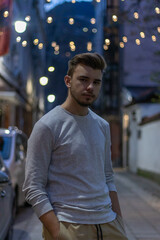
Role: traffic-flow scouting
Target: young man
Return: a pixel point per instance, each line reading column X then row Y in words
column 69, row 176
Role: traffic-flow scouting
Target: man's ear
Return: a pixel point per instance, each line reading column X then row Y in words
column 67, row 80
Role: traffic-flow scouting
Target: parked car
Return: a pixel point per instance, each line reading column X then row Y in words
column 6, row 203
column 14, row 156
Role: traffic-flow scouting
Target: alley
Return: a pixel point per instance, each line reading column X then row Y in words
column 140, row 203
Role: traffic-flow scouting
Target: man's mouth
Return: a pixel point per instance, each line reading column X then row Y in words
column 88, row 95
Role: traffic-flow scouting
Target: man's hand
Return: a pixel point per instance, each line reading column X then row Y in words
column 51, row 223
column 115, row 202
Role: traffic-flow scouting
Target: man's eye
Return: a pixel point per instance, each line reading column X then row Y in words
column 83, row 80
column 97, row 82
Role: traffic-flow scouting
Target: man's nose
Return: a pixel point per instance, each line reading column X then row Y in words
column 90, row 86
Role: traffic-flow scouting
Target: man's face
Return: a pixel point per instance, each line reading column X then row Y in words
column 85, row 84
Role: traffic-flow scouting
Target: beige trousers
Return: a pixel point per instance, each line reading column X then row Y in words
column 108, row 231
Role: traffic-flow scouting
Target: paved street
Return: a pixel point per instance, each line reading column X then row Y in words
column 140, row 203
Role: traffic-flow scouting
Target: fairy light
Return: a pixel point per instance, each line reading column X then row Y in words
column 114, row 18
column 18, row 39
column 121, row 44
column 49, row 20
column 56, row 52
column 142, row 35
column 93, row 20
column 107, row 41
column 85, row 29
column 71, row 21
column 125, row 39
column 157, row 10
column 5, row 14
column 53, row 44
column 138, row 42
column 36, row 41
column 24, row 43
column 73, row 48
column 158, row 29
column 28, row 18
column 73, row 1
column 94, row 30
column 136, row 15
column 40, row 46
column 51, row 69
column 89, row 46
column 71, row 43
column 48, row 1
column 98, row 1
column 154, row 39
column 43, row 81
column 105, row 47
column 51, row 98
column 56, row 48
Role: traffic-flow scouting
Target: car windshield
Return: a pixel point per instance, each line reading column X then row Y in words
column 5, row 147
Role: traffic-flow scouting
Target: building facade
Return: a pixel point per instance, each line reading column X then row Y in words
column 21, row 97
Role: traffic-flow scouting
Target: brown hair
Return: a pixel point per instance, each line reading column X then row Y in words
column 93, row 60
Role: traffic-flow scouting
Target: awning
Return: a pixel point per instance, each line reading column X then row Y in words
column 12, row 97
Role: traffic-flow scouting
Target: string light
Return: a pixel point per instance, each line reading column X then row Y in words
column 24, row 43
column 43, row 81
column 93, row 20
column 51, row 98
column 142, row 34
column 107, row 41
column 18, row 39
column 157, row 10
column 6, row 14
column 51, row 69
column 49, row 20
column 40, row 46
column 121, row 44
column 94, row 30
column 138, row 42
column 73, row 1
column 114, row 18
column 136, row 15
column 71, row 43
column 56, row 52
column 73, row 48
column 154, row 39
column 85, row 29
column 71, row 21
column 125, row 39
column 89, row 46
column 36, row 41
column 28, row 18
column 105, row 47
column 158, row 29
column 56, row 48
column 48, row 1
column 98, row 1
column 53, row 44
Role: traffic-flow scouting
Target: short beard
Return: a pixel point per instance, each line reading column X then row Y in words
column 82, row 104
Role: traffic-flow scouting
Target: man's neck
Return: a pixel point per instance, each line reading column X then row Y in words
column 74, row 108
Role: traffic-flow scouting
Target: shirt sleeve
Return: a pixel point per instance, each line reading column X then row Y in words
column 39, row 150
column 108, row 163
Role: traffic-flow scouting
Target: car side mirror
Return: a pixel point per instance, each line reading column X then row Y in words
column 3, row 177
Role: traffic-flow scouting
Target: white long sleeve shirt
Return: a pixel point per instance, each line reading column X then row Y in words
column 69, row 167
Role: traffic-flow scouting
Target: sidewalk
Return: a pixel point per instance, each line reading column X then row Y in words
column 140, row 204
